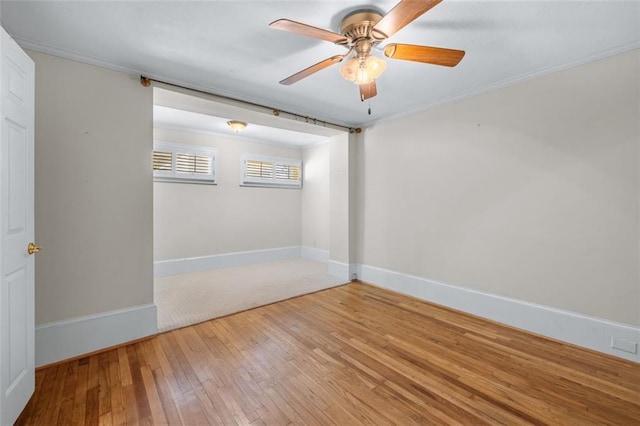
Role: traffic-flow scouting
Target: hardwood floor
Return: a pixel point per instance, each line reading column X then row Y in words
column 350, row 355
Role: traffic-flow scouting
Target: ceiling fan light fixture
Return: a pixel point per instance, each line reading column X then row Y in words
column 362, row 76
column 374, row 66
column 363, row 71
column 349, row 70
column 236, row 126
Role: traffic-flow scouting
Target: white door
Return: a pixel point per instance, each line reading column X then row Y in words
column 17, row 372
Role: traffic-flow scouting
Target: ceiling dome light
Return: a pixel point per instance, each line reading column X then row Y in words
column 236, row 126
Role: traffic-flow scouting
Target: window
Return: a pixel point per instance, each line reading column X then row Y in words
column 258, row 170
column 184, row 163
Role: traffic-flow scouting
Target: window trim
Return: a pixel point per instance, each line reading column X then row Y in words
column 174, row 175
column 271, row 182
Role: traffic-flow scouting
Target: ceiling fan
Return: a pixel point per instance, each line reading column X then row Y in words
column 361, row 30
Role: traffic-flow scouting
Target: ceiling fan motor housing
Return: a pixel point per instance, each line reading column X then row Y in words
column 358, row 25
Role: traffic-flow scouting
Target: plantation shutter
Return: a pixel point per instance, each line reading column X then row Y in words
column 260, row 170
column 176, row 162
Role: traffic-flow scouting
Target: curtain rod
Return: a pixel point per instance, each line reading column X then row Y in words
column 146, row 82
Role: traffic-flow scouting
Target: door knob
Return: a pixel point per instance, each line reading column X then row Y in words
column 32, row 248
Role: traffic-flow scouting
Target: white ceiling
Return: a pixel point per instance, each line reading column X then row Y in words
column 227, row 47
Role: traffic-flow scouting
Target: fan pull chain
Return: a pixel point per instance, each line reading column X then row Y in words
column 369, row 106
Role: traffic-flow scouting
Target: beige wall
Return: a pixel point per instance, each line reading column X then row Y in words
column 315, row 197
column 339, row 199
column 93, row 190
column 530, row 192
column 192, row 220
column 355, row 141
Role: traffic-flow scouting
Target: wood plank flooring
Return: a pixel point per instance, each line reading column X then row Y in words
column 350, row 355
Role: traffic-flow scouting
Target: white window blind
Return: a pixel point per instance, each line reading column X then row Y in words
column 259, row 170
column 184, row 163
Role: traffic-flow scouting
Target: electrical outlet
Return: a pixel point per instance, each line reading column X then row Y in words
column 624, row 345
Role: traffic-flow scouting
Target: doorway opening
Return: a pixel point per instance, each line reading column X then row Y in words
column 241, row 219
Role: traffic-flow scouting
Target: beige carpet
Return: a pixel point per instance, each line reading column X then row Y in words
column 199, row 296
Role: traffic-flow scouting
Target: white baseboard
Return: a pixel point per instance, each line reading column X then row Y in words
column 60, row 340
column 582, row 330
column 315, row 254
column 341, row 270
column 164, row 268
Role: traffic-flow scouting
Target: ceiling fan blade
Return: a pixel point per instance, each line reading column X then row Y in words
column 368, row 90
column 307, row 30
column 401, row 15
column 426, row 54
column 312, row 69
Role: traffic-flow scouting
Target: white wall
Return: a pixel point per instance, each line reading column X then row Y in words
column 93, row 197
column 194, row 220
column 529, row 192
column 315, row 197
